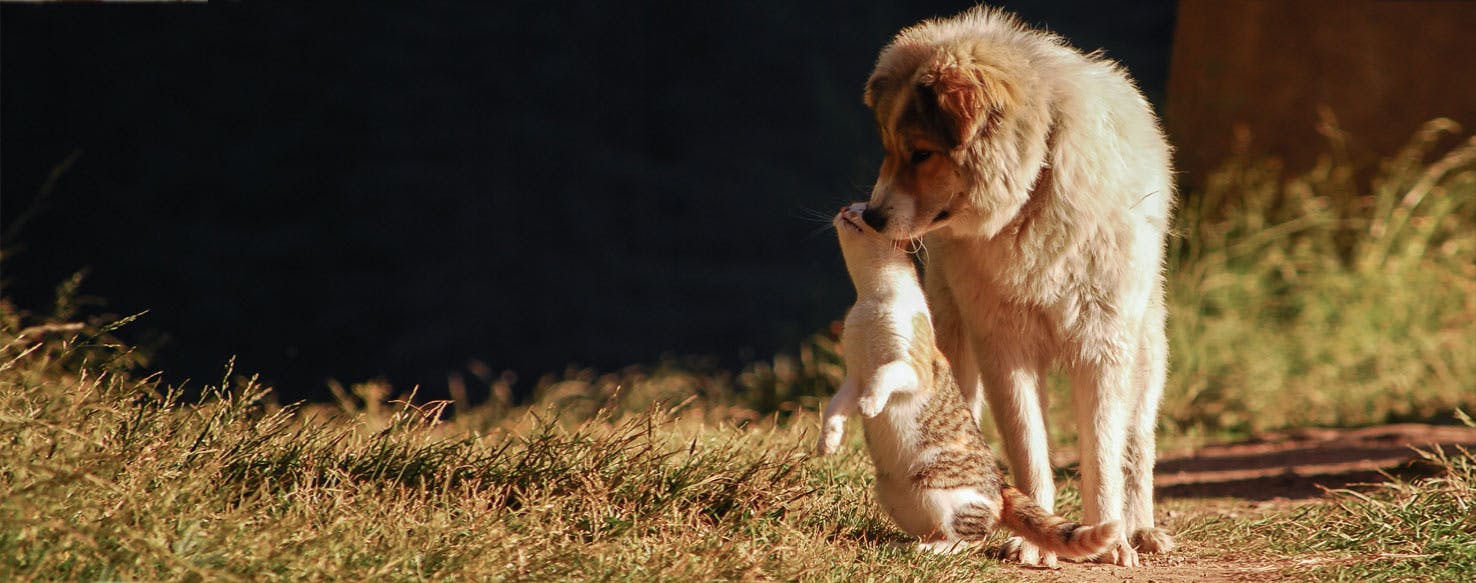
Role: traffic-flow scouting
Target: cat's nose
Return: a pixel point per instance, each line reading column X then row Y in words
column 875, row 218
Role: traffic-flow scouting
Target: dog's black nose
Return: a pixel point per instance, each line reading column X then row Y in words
column 875, row 218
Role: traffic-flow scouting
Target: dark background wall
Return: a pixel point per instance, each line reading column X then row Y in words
column 395, row 190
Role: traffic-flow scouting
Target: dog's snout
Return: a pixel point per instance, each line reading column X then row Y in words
column 875, row 218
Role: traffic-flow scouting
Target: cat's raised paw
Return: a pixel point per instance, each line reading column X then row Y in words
column 871, row 405
column 828, row 443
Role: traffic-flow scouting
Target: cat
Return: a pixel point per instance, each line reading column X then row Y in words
column 935, row 474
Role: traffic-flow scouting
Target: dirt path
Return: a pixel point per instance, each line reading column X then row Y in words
column 1269, row 475
column 1293, row 465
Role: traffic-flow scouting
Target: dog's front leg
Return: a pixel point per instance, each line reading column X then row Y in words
column 1103, row 393
column 1013, row 386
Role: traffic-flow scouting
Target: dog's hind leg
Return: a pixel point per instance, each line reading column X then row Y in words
column 1151, row 370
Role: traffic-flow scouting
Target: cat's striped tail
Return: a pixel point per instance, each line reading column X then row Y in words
column 1053, row 533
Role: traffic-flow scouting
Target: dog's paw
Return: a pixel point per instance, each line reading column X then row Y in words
column 1152, row 540
column 1019, row 550
column 1120, row 554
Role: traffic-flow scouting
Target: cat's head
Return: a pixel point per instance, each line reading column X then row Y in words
column 866, row 250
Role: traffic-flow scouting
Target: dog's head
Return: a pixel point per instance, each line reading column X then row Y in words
column 964, row 127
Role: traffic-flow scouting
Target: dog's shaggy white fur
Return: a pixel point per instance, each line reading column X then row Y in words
column 1040, row 182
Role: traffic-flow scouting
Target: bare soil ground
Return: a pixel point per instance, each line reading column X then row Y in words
column 1298, row 465
column 1271, row 474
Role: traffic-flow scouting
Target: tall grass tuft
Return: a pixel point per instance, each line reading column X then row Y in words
column 1327, row 298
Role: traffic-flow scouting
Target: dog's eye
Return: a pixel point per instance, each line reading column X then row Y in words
column 920, row 156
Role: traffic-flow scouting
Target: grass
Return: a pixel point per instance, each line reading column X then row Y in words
column 113, row 477
column 1303, row 301
column 1318, row 300
column 1416, row 531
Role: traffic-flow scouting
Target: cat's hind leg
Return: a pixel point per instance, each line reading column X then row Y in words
column 964, row 516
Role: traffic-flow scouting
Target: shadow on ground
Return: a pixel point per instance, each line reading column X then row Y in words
column 1302, row 463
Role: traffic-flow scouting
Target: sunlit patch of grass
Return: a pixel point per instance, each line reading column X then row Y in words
column 109, row 476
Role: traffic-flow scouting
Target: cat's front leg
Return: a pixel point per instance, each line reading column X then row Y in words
column 833, row 420
column 893, row 377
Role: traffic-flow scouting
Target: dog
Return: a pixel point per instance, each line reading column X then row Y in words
column 1039, row 183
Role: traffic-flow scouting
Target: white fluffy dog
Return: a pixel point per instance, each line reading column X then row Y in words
column 1040, row 182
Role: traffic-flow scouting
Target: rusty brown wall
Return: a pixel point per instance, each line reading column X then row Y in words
column 1265, row 67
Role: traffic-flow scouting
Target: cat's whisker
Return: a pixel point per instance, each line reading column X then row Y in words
column 817, row 231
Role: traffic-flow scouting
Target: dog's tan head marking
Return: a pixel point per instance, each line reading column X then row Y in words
column 967, row 94
column 922, row 133
column 964, row 138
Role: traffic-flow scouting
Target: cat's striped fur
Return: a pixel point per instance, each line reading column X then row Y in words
column 936, row 476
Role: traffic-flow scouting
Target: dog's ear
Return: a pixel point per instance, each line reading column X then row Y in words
column 969, row 95
column 874, row 88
